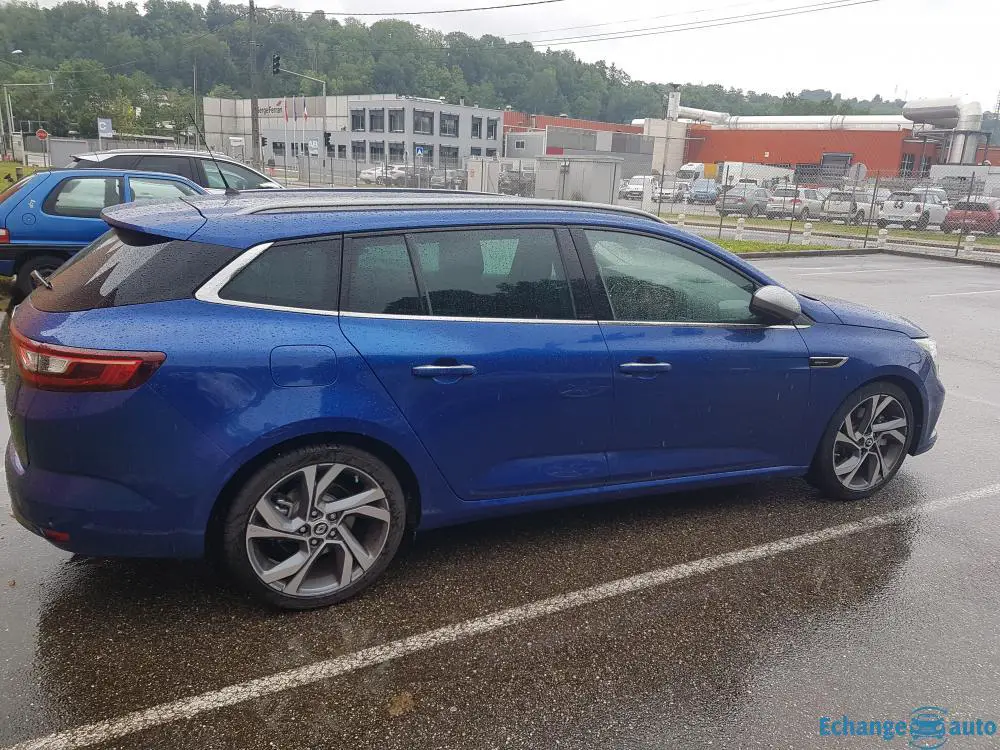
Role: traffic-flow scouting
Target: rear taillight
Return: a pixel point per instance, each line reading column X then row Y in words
column 4, row 236
column 62, row 368
column 795, row 201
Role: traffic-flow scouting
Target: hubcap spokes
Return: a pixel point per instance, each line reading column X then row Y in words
column 870, row 442
column 317, row 529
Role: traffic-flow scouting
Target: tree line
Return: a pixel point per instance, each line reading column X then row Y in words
column 135, row 65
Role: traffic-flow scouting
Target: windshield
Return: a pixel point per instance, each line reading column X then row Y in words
column 840, row 197
column 686, row 174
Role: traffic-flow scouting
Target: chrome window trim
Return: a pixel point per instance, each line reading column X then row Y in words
column 694, row 324
column 461, row 319
column 209, row 291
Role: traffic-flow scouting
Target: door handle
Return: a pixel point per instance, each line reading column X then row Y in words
column 444, row 371
column 644, row 368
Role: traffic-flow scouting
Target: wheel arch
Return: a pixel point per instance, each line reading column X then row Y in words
column 378, row 448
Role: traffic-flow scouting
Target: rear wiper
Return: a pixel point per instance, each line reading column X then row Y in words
column 40, row 280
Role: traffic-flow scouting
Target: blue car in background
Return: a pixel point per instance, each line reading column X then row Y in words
column 49, row 215
column 292, row 380
column 704, row 191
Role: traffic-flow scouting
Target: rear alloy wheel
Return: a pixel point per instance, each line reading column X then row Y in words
column 882, row 223
column 46, row 265
column 804, row 216
column 865, row 443
column 314, row 526
column 859, row 218
column 923, row 221
column 754, row 212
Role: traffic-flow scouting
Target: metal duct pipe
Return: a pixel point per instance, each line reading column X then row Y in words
column 893, row 123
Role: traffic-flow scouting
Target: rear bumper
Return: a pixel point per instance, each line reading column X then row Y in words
column 102, row 518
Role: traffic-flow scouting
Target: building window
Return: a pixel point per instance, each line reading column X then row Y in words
column 376, row 120
column 449, row 125
column 397, row 120
column 423, row 122
column 358, row 150
column 490, row 153
column 476, row 151
column 425, row 155
column 397, row 153
column 477, row 127
column 519, row 145
column 491, row 128
column 278, row 148
column 376, row 151
column 925, row 166
column 341, row 151
column 449, row 156
column 358, row 120
column 906, row 165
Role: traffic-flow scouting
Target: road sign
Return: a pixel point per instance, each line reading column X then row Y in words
column 41, row 134
column 104, row 129
column 313, row 147
column 419, row 151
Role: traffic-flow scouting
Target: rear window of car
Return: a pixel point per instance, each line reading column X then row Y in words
column 129, row 268
column 785, row 193
column 15, row 188
column 903, row 197
column 972, row 206
column 839, row 197
column 299, row 274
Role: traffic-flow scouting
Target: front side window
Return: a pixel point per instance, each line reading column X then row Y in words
column 180, row 165
column 83, row 197
column 378, row 277
column 449, row 125
column 494, row 273
column 303, row 274
column 423, row 122
column 649, row 279
column 145, row 188
column 238, row 177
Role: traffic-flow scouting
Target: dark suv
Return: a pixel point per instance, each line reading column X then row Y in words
column 198, row 166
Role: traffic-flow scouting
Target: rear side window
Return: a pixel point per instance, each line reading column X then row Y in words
column 303, row 274
column 494, row 273
column 10, row 190
column 129, row 268
column 151, row 188
column 83, row 197
column 170, row 164
column 378, row 277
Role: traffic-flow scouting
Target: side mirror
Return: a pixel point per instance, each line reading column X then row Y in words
column 775, row 303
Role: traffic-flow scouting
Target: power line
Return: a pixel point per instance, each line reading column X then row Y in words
column 439, row 11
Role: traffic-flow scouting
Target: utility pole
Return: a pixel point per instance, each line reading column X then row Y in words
column 254, row 106
column 194, row 88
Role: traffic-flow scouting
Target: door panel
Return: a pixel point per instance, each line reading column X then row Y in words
column 700, row 385
column 504, row 406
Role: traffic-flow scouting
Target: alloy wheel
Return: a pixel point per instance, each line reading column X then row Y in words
column 317, row 530
column 870, row 443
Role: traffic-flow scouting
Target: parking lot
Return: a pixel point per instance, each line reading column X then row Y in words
column 730, row 618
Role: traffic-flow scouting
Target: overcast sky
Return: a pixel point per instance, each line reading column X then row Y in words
column 905, row 48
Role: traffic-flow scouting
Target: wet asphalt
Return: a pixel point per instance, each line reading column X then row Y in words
column 751, row 655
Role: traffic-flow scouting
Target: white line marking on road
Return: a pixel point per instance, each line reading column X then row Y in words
column 902, row 269
column 186, row 708
column 974, row 399
column 962, row 294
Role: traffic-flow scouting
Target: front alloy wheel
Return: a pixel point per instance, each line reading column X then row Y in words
column 315, row 526
column 865, row 443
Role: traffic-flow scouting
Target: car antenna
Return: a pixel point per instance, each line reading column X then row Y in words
column 230, row 191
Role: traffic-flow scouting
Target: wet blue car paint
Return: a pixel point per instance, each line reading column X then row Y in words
column 34, row 231
column 139, row 473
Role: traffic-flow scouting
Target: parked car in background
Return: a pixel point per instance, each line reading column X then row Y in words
column 211, row 172
column 449, row 179
column 912, row 210
column 704, row 191
column 622, row 185
column 637, row 185
column 976, row 214
column 50, row 215
column 291, row 387
column 675, row 192
column 939, row 192
column 373, row 175
column 800, row 203
column 744, row 198
column 851, row 207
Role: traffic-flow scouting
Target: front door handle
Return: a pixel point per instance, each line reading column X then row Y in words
column 644, row 368
column 444, row 371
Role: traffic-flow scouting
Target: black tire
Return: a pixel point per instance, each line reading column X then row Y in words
column 723, row 213
column 946, row 228
column 754, row 212
column 804, row 216
column 859, row 218
column 882, row 223
column 234, row 547
column 924, row 221
column 44, row 264
column 907, row 224
column 821, row 473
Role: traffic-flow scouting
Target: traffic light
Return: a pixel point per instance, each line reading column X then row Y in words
column 326, row 139
column 275, row 64
column 263, row 141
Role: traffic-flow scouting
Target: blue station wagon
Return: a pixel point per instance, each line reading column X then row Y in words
column 51, row 214
column 292, row 381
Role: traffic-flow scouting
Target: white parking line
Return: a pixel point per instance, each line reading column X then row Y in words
column 962, row 294
column 973, row 399
column 903, row 269
column 186, row 708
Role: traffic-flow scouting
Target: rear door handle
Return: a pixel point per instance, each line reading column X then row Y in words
column 444, row 371
column 644, row 368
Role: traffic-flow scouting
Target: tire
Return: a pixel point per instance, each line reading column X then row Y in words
column 44, row 264
column 882, row 223
column 723, row 213
column 373, row 529
column 946, row 228
column 907, row 225
column 924, row 221
column 859, row 218
column 754, row 212
column 874, row 447
column 804, row 216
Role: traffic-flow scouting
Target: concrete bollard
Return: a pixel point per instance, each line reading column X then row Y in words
column 807, row 233
column 969, row 243
column 883, row 235
column 680, row 220
column 740, row 224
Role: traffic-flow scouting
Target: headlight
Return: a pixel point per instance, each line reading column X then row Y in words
column 929, row 346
